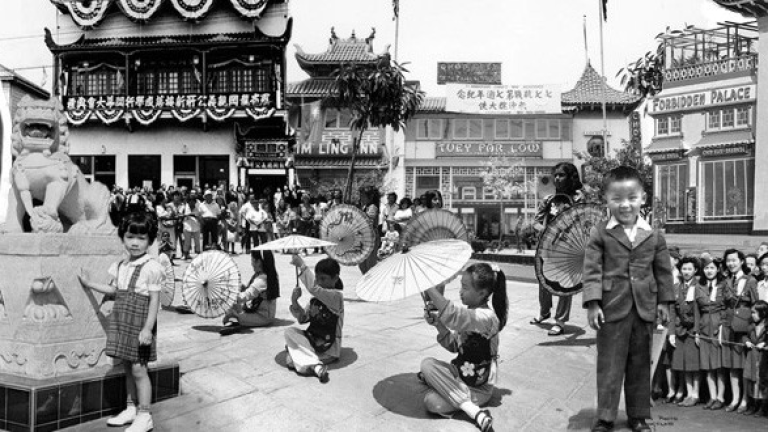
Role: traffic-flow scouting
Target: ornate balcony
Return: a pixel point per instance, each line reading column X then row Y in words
column 746, row 63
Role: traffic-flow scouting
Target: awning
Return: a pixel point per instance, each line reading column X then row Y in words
column 663, row 145
column 724, row 139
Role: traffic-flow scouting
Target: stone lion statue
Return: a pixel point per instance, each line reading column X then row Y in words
column 45, row 184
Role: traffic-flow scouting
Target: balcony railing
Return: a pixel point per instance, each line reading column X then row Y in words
column 745, row 63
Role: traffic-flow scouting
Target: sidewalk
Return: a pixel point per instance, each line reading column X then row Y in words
column 240, row 383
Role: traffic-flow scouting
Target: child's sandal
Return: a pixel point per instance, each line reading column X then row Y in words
column 484, row 420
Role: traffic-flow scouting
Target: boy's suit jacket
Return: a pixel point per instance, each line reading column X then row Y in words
column 619, row 274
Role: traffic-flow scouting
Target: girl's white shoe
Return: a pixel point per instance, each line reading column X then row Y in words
column 142, row 423
column 126, row 417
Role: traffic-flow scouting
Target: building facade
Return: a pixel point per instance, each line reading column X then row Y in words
column 703, row 146
column 15, row 87
column 324, row 140
column 449, row 151
column 178, row 93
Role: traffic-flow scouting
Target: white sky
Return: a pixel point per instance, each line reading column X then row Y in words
column 538, row 41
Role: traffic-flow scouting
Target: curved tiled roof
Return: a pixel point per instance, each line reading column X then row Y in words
column 352, row 50
column 588, row 91
column 433, row 104
column 317, row 87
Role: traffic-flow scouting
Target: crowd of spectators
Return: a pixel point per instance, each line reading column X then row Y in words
column 235, row 219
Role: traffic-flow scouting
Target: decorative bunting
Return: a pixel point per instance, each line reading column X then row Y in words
column 251, row 9
column 220, row 114
column 88, row 14
column 78, row 116
column 146, row 116
column 139, row 10
column 192, row 10
column 183, row 114
column 260, row 113
column 109, row 116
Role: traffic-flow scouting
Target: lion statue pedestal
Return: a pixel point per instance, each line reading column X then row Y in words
column 53, row 370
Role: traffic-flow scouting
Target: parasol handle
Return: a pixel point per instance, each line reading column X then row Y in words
column 297, row 276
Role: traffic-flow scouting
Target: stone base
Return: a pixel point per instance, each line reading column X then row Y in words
column 33, row 405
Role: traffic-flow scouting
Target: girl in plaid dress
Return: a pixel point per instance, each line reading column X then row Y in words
column 133, row 322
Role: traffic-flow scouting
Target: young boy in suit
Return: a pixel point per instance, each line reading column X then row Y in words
column 627, row 282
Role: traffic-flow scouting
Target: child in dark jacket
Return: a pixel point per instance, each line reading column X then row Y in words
column 627, row 282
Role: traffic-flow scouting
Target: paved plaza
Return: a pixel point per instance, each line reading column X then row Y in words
column 240, row 382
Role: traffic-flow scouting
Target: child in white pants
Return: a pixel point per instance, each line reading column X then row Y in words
column 310, row 350
column 472, row 331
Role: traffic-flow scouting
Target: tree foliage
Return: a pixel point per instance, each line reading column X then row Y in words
column 595, row 169
column 645, row 76
column 377, row 96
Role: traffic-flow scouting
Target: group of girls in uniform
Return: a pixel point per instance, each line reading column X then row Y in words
column 470, row 329
column 717, row 335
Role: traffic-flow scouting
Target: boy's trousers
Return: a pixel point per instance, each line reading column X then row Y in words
column 624, row 357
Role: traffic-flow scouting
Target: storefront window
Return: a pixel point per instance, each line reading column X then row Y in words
column 671, row 190
column 429, row 129
column 662, row 126
column 728, row 118
column 714, row 120
column 468, row 128
column 674, row 125
column 337, row 119
column 502, row 129
column 97, row 168
column 468, row 219
column 742, row 116
column 425, row 183
column 548, row 129
column 728, row 193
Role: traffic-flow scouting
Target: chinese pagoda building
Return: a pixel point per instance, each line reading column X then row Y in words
column 324, row 139
column 175, row 92
column 449, row 151
column 704, row 143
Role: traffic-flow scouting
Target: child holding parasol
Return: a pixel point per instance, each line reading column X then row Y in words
column 310, row 350
column 472, row 331
column 132, row 330
column 257, row 302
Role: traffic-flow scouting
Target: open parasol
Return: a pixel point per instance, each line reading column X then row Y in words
column 294, row 243
column 560, row 255
column 211, row 284
column 433, row 224
column 168, row 288
column 414, row 270
column 352, row 231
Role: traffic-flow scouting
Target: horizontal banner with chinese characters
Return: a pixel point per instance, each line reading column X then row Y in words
column 514, row 149
column 170, row 101
column 503, row 99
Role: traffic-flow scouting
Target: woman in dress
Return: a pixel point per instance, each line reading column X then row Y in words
column 567, row 192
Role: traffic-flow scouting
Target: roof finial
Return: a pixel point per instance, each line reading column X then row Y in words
column 333, row 38
column 353, row 35
column 369, row 39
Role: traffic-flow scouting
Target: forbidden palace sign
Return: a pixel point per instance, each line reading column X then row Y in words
column 503, row 99
column 496, row 148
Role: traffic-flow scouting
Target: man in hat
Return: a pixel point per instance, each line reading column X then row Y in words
column 209, row 215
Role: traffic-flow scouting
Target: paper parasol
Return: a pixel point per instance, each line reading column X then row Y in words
column 414, row 270
column 433, row 224
column 211, row 283
column 294, row 242
column 352, row 231
column 560, row 255
column 168, row 288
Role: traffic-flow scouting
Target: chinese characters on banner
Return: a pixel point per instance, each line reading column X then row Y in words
column 186, row 101
column 503, row 99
